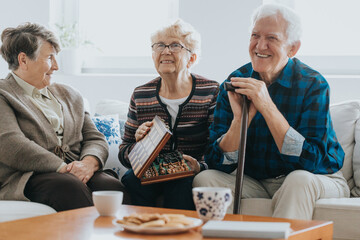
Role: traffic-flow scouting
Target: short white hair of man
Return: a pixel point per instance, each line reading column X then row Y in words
column 294, row 29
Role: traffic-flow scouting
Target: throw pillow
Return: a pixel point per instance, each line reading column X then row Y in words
column 112, row 106
column 109, row 126
column 121, row 124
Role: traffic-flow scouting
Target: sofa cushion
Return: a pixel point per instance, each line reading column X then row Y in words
column 13, row 210
column 109, row 125
column 256, row 207
column 344, row 212
column 344, row 116
column 356, row 161
column 110, row 107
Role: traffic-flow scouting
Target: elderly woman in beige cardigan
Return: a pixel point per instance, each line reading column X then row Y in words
column 50, row 150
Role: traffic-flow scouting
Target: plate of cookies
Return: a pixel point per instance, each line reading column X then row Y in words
column 156, row 223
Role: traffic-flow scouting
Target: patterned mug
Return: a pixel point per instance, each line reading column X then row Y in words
column 211, row 202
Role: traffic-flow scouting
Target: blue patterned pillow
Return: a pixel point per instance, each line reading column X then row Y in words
column 109, row 126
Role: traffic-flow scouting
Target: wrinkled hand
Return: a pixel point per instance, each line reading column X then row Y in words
column 255, row 90
column 84, row 169
column 142, row 130
column 194, row 164
column 236, row 101
column 63, row 169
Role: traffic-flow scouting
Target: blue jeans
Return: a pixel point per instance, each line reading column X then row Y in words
column 175, row 193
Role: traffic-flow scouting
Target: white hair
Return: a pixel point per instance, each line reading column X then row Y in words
column 294, row 29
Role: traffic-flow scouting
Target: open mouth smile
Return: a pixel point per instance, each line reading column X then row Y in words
column 262, row 55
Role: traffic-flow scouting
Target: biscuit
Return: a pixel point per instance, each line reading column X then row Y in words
column 183, row 221
column 146, row 217
column 171, row 215
column 155, row 223
column 174, row 224
column 155, row 220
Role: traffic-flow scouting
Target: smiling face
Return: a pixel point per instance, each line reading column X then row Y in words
column 39, row 70
column 167, row 62
column 268, row 49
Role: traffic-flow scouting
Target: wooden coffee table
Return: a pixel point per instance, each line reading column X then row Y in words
column 85, row 223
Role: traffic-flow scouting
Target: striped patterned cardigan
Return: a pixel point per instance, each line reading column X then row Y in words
column 191, row 129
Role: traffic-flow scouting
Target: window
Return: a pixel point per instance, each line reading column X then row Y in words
column 330, row 40
column 119, row 31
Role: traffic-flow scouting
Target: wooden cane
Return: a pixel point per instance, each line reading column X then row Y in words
column 241, row 155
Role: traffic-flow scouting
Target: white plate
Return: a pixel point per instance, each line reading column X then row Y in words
column 160, row 230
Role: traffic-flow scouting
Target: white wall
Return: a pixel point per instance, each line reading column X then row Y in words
column 15, row 12
column 96, row 87
column 223, row 26
column 343, row 88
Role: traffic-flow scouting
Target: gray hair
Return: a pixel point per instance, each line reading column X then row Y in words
column 183, row 31
column 294, row 29
column 26, row 38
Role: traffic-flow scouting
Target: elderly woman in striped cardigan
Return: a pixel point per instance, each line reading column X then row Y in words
column 185, row 102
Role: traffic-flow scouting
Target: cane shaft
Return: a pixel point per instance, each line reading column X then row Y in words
column 241, row 155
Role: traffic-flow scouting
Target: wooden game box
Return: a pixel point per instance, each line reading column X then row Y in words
column 151, row 166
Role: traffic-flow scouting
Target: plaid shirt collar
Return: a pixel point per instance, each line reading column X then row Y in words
column 284, row 78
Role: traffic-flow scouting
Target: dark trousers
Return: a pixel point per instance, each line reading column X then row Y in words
column 175, row 193
column 64, row 191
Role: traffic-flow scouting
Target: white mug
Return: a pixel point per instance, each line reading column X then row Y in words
column 107, row 203
column 211, row 202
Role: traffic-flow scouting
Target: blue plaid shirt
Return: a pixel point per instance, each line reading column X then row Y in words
column 302, row 95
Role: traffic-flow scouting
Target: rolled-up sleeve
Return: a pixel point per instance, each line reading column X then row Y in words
column 229, row 157
column 293, row 143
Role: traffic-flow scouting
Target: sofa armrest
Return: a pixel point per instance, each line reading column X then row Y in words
column 13, row 210
column 356, row 162
column 345, row 116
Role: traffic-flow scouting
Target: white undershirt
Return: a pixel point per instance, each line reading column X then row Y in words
column 173, row 107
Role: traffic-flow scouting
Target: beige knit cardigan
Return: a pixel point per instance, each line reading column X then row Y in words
column 28, row 142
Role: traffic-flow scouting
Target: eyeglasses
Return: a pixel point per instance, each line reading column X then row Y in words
column 174, row 47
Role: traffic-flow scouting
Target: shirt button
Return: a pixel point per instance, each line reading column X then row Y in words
column 37, row 95
column 65, row 148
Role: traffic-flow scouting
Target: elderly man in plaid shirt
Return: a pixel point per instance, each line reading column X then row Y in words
column 292, row 153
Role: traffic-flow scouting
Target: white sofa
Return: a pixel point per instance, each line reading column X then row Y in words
column 345, row 213
column 13, row 210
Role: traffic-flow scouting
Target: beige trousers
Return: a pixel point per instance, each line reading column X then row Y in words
column 293, row 196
